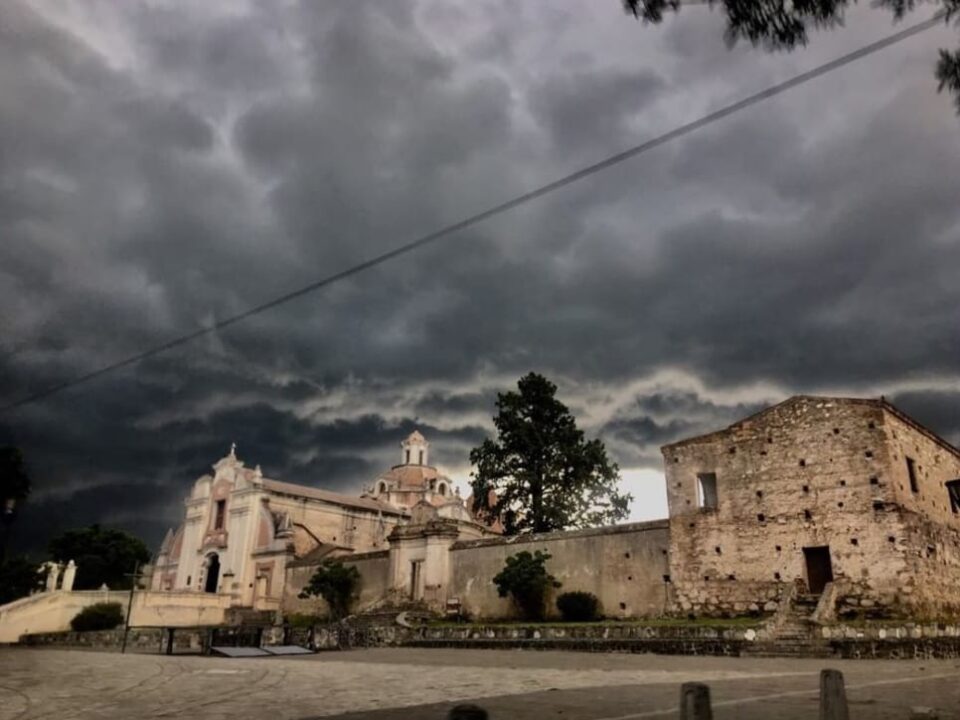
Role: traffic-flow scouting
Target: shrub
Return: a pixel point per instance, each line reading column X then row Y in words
column 579, row 606
column 101, row 616
column 337, row 584
column 526, row 580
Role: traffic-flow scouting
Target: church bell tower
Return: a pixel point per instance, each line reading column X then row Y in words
column 415, row 450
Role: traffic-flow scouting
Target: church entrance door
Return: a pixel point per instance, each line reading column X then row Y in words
column 213, row 573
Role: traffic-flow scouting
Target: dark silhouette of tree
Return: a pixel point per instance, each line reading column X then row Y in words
column 785, row 24
column 14, row 489
column 18, row 578
column 102, row 556
column 542, row 473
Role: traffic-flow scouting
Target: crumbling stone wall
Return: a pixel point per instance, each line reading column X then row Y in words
column 807, row 473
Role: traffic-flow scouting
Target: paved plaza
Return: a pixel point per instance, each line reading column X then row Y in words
column 395, row 684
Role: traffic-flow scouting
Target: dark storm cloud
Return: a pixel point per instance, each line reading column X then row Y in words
column 167, row 165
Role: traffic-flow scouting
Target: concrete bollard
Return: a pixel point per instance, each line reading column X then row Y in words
column 833, row 696
column 695, row 702
column 467, row 712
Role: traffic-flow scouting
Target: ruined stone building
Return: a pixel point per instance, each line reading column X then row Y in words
column 815, row 490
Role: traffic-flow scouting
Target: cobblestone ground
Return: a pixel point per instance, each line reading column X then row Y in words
column 422, row 684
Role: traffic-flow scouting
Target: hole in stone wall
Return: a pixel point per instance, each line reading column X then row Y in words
column 693, row 524
column 769, row 440
column 706, row 578
column 731, row 577
column 761, row 517
column 664, row 551
column 627, row 555
column 843, row 483
column 732, row 450
column 839, row 504
column 779, row 548
column 763, row 452
column 808, row 515
column 869, row 453
column 878, row 504
column 629, row 577
column 803, row 463
column 854, row 541
column 623, row 606
column 676, row 459
column 717, row 550
column 806, row 488
column 759, row 493
column 891, row 538
column 836, row 431
column 931, row 551
column 776, row 576
column 871, row 425
column 666, row 578
column 874, row 481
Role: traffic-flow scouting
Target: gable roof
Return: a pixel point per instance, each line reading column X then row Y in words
column 879, row 403
column 312, row 493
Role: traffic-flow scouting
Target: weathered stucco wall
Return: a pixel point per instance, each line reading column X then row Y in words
column 374, row 569
column 52, row 611
column 623, row 565
column 810, row 472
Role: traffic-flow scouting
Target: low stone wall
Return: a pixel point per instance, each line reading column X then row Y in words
column 139, row 640
column 598, row 637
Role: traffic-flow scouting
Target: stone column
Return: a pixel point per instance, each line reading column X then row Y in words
column 68, row 576
column 53, row 572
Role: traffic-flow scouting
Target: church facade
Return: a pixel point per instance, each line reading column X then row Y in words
column 241, row 529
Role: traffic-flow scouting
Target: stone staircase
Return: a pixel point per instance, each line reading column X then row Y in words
column 794, row 633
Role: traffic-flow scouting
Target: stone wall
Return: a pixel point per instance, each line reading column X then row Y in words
column 374, row 569
column 140, row 640
column 623, row 565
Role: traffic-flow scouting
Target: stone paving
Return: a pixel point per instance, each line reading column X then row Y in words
column 395, row 684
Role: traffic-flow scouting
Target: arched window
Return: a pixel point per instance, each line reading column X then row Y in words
column 382, row 488
column 442, row 489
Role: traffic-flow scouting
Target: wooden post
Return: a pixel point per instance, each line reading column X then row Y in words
column 695, row 702
column 468, row 712
column 833, row 696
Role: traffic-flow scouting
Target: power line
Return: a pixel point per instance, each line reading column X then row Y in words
column 620, row 157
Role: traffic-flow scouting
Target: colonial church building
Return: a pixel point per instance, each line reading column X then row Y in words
column 241, row 529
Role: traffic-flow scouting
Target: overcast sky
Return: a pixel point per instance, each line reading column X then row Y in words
column 167, row 164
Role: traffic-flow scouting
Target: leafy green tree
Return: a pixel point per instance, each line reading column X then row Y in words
column 102, row 556
column 14, row 489
column 525, row 579
column 541, row 474
column 785, row 24
column 18, row 578
column 337, row 584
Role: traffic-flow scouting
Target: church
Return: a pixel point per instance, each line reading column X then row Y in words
column 242, row 529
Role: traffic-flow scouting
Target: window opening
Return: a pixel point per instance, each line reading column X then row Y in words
column 912, row 472
column 953, row 490
column 707, row 487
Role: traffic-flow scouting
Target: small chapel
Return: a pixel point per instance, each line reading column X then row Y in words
column 241, row 530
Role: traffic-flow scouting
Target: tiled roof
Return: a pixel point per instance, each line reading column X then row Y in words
column 313, row 493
